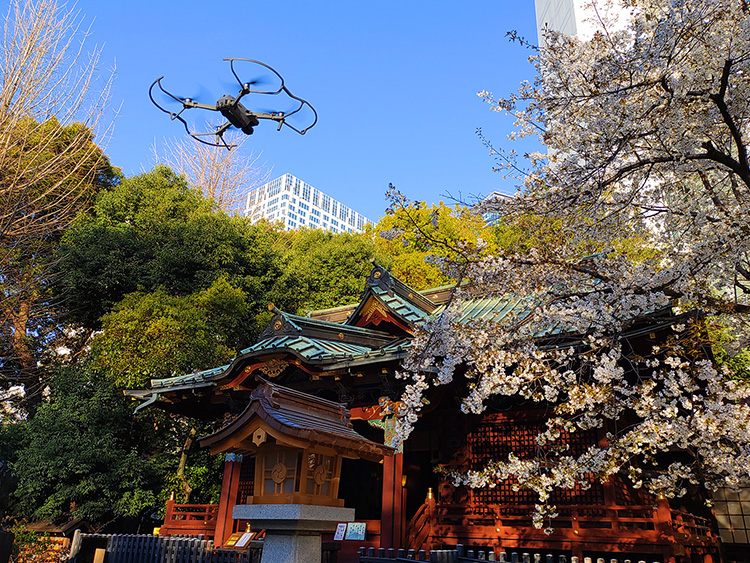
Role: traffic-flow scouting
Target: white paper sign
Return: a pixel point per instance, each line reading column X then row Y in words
column 340, row 532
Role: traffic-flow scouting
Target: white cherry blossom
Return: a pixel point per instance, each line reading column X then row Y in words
column 648, row 179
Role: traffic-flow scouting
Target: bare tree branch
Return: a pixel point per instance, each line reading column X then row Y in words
column 223, row 175
column 51, row 104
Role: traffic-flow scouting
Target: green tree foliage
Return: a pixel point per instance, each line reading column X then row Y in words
column 80, row 454
column 39, row 195
column 153, row 335
column 327, row 269
column 415, row 234
column 50, row 103
column 199, row 481
column 156, row 233
column 172, row 285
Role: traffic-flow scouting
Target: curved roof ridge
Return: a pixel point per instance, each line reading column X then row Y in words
column 337, row 326
column 382, row 276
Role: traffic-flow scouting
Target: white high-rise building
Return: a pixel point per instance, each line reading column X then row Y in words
column 297, row 204
column 493, row 218
column 574, row 17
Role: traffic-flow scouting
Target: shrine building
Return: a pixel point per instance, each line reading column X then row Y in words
column 346, row 358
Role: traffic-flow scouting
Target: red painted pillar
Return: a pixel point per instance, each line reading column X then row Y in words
column 168, row 516
column 398, row 501
column 386, row 519
column 391, row 533
column 229, row 486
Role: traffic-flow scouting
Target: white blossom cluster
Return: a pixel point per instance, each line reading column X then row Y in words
column 648, row 183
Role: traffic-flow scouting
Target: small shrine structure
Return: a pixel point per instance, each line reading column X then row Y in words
column 296, row 442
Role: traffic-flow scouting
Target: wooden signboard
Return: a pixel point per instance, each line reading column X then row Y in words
column 239, row 540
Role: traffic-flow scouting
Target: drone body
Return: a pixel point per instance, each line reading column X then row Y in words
column 235, row 113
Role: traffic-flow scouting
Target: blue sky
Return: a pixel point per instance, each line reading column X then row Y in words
column 394, row 84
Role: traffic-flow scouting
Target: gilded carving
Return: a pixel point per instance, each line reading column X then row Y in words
column 375, row 310
column 272, row 368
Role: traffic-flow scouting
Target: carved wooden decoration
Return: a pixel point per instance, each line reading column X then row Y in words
column 273, row 368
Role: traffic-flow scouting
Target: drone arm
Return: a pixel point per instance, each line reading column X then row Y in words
column 188, row 103
column 271, row 116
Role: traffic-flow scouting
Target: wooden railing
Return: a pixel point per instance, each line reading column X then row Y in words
column 189, row 519
column 691, row 525
column 420, row 527
column 611, row 524
column 611, row 518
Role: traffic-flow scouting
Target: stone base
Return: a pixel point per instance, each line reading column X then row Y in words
column 293, row 531
column 291, row 548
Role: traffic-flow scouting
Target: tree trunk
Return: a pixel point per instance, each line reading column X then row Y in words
column 186, row 488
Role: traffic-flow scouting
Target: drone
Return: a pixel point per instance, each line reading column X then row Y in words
column 232, row 109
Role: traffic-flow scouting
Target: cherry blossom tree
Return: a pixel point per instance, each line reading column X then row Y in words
column 647, row 180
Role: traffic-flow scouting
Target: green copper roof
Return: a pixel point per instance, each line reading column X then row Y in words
column 334, row 345
column 494, row 309
column 311, row 349
column 189, row 380
column 498, row 310
column 285, row 324
column 407, row 311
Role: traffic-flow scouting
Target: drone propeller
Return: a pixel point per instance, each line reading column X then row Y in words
column 201, row 95
column 248, row 85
